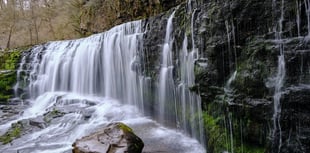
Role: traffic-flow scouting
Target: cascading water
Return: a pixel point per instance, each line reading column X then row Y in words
column 186, row 110
column 278, row 82
column 229, row 93
column 230, row 31
column 104, row 64
column 93, row 81
column 188, row 99
column 166, row 93
column 298, row 9
column 307, row 7
column 20, row 69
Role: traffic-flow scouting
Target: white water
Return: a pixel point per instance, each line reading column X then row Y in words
column 231, row 133
column 20, row 69
column 230, row 80
column 95, row 81
column 191, row 5
column 278, row 82
column 230, row 32
column 166, row 89
column 62, row 132
column 103, row 64
column 307, row 7
column 186, row 98
column 298, row 9
column 228, row 92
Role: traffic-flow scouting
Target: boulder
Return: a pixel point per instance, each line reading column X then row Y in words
column 114, row 138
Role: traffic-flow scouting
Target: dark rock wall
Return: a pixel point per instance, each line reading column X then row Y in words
column 239, row 36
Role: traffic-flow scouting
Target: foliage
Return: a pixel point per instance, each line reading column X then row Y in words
column 28, row 22
column 219, row 139
column 9, row 60
column 8, row 65
column 216, row 135
column 6, row 83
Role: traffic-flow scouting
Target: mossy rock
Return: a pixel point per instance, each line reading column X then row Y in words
column 115, row 137
column 8, row 65
column 9, row 59
column 10, row 135
column 7, row 82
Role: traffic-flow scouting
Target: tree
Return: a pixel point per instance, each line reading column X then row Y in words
column 8, row 17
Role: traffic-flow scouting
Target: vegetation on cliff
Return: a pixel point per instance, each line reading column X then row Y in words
column 8, row 65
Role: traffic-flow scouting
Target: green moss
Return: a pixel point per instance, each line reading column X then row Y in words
column 55, row 112
column 9, row 60
column 52, row 114
column 220, row 119
column 8, row 64
column 7, row 81
column 10, row 135
column 216, row 135
column 249, row 149
column 125, row 128
column 219, row 138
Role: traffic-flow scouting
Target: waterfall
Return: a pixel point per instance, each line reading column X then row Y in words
column 100, row 77
column 230, row 32
column 187, row 98
column 18, row 77
column 177, row 103
column 307, row 7
column 166, row 93
column 278, row 83
column 104, row 64
column 189, row 102
column 298, row 9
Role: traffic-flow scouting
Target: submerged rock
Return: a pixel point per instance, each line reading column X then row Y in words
column 115, row 138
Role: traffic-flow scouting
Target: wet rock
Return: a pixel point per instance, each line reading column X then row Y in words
column 295, row 119
column 38, row 122
column 11, row 134
column 49, row 116
column 15, row 101
column 114, row 138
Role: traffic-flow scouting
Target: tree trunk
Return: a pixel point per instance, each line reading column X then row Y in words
column 36, row 31
column 30, row 34
column 10, row 36
column 51, row 28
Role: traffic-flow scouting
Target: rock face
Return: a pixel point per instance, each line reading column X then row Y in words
column 115, row 138
column 237, row 41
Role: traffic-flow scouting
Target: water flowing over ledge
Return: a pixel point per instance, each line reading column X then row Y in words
column 94, row 81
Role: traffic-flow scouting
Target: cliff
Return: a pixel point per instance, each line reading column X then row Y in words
column 238, row 73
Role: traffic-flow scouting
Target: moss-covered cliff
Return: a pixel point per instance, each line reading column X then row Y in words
column 237, row 41
column 8, row 65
